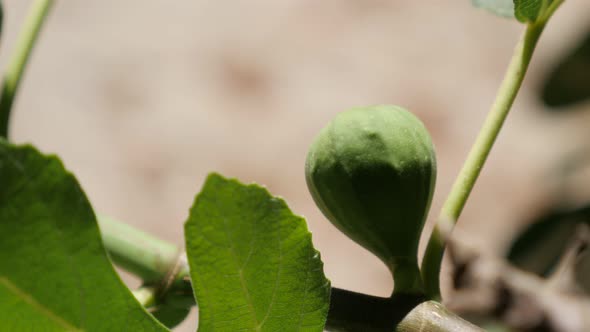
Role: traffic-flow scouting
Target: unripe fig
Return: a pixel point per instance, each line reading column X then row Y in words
column 372, row 171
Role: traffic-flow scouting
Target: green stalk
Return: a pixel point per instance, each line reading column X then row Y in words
column 13, row 76
column 159, row 264
column 139, row 253
column 476, row 159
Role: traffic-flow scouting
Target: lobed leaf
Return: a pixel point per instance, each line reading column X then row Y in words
column 252, row 262
column 54, row 272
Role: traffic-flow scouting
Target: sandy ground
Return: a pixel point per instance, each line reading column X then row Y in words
column 142, row 99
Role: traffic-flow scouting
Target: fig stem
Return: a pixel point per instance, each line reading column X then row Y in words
column 480, row 150
column 13, row 76
column 139, row 253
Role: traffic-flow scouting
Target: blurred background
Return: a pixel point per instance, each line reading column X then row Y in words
column 142, row 99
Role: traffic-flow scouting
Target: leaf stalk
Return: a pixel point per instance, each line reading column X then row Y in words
column 478, row 155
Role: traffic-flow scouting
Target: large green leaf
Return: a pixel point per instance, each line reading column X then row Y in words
column 252, row 262
column 54, row 272
column 503, row 8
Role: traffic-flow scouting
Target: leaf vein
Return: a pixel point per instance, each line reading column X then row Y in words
column 27, row 298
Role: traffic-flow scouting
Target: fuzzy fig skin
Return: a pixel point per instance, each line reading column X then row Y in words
column 372, row 171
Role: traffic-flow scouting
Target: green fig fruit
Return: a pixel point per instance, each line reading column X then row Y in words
column 372, row 171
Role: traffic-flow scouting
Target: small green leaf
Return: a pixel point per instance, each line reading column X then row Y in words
column 504, row 8
column 54, row 272
column 529, row 10
column 252, row 262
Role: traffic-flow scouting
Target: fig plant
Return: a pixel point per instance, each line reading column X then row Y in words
column 250, row 261
column 372, row 172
